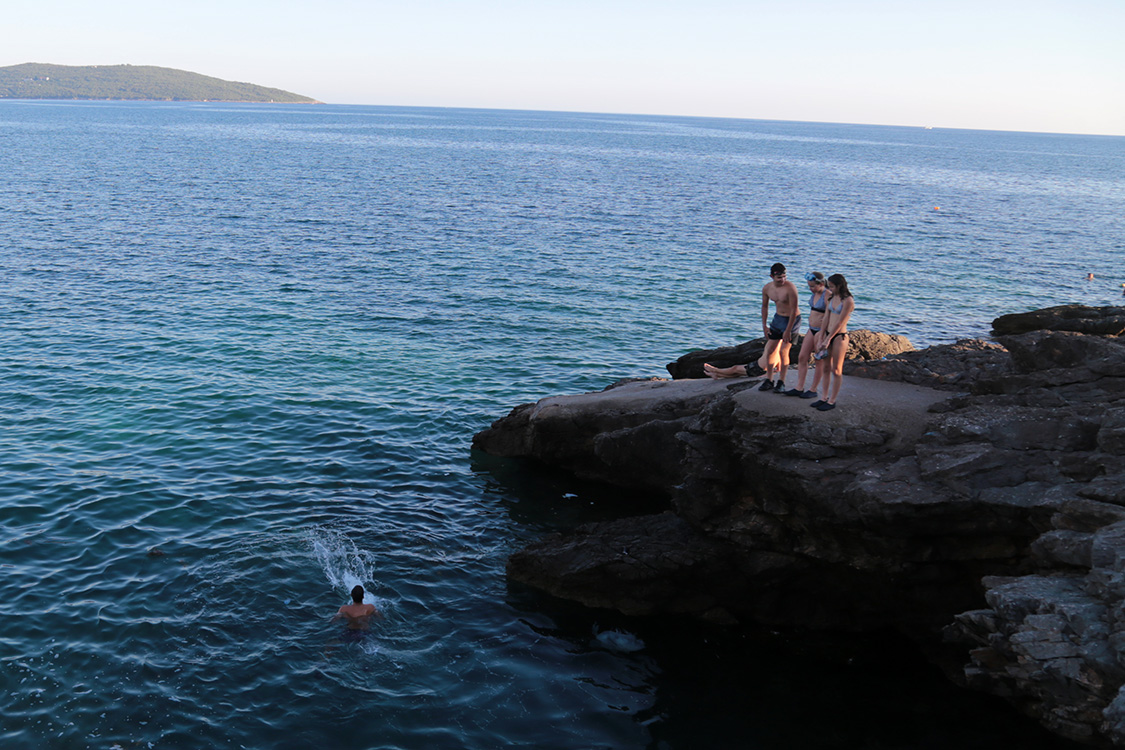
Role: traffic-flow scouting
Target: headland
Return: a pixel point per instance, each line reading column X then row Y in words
column 970, row 495
column 131, row 82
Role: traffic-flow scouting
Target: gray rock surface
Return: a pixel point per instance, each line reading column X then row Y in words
column 987, row 511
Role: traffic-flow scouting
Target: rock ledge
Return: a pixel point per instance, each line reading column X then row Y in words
column 972, row 493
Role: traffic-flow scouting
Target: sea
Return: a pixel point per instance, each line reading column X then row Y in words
column 246, row 347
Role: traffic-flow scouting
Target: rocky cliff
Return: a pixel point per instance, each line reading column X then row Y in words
column 972, row 493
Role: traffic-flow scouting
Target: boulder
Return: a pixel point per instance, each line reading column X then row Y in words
column 869, row 345
column 863, row 345
column 1095, row 321
column 1049, row 350
column 691, row 364
column 962, row 366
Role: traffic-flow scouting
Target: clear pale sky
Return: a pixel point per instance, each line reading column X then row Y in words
column 1039, row 65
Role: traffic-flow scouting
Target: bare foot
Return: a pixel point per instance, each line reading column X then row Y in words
column 711, row 371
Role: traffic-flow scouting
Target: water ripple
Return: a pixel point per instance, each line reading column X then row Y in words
column 246, row 350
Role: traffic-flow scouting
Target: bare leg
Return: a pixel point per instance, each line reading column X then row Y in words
column 737, row 371
column 818, row 375
column 836, row 368
column 803, row 362
column 771, row 348
column 783, row 363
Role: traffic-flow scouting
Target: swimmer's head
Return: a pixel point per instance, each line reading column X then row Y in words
column 357, row 595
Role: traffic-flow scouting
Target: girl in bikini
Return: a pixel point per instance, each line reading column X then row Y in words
column 834, row 335
column 817, row 306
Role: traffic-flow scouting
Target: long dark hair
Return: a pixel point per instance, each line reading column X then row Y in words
column 841, row 285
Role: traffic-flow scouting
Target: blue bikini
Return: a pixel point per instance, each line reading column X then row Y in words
column 821, row 308
column 836, row 310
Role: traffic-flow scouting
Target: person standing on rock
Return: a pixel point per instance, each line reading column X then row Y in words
column 779, row 331
column 818, row 307
column 834, row 340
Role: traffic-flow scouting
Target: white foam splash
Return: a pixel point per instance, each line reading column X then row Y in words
column 344, row 564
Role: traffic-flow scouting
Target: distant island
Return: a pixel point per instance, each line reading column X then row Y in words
column 131, row 82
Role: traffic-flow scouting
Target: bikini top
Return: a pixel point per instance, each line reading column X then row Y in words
column 837, row 310
column 822, row 306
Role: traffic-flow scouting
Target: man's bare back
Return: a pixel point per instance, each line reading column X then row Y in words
column 357, row 613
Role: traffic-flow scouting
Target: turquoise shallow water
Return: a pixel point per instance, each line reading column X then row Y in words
column 258, row 340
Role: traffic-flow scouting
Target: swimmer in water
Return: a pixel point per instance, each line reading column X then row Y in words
column 1089, row 277
column 357, row 613
column 358, row 616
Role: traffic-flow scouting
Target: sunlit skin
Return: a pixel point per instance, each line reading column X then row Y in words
column 835, row 323
column 808, row 343
column 783, row 294
column 357, row 613
column 736, row 371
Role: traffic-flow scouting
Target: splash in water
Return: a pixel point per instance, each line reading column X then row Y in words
column 344, row 564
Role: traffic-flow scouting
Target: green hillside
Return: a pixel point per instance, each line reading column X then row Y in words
column 38, row 81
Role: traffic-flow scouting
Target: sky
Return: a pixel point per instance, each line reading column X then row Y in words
column 1033, row 65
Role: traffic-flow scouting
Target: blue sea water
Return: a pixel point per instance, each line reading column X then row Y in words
column 245, row 349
